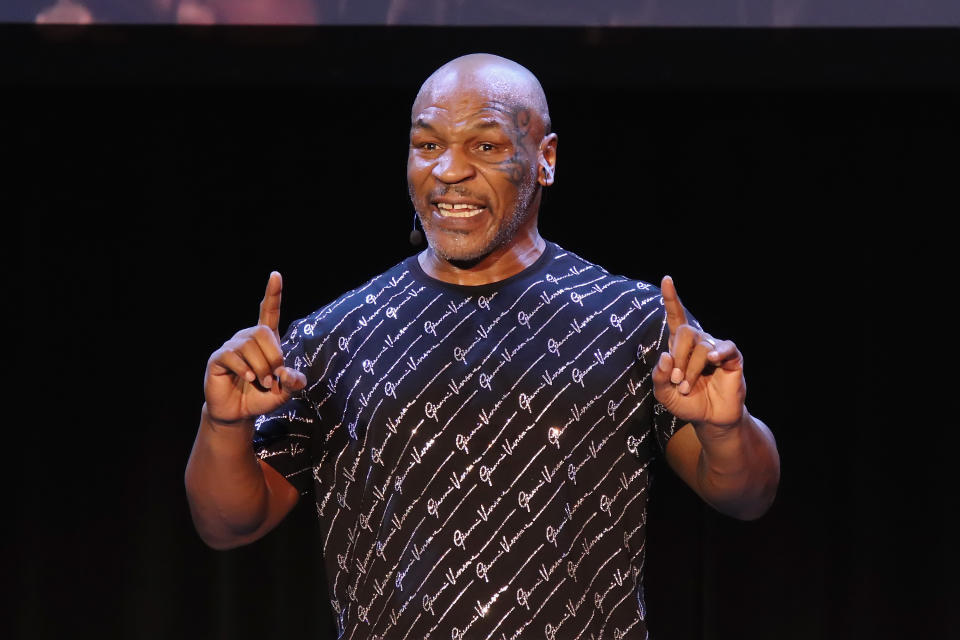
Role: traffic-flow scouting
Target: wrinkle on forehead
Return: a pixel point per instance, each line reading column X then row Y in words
column 501, row 84
column 489, row 115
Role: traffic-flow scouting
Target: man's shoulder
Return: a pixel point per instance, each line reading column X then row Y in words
column 578, row 271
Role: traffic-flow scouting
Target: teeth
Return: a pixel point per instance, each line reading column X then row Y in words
column 458, row 210
column 448, row 206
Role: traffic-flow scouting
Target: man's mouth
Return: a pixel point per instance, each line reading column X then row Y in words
column 460, row 210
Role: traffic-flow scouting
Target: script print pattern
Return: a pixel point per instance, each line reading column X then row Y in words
column 479, row 456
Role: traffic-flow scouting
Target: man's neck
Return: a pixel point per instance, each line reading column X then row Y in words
column 500, row 264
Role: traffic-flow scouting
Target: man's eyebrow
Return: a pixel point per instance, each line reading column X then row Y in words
column 483, row 125
column 487, row 123
column 420, row 123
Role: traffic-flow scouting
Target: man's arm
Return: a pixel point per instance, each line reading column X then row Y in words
column 234, row 498
column 735, row 470
column 728, row 457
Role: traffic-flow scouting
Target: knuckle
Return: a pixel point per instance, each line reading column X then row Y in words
column 255, row 339
column 226, row 352
column 244, row 334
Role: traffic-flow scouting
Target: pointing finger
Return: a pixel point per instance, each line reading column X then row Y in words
column 270, row 305
column 676, row 316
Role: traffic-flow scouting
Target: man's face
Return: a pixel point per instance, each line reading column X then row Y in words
column 472, row 168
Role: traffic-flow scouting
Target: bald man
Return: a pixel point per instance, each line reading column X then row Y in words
column 475, row 425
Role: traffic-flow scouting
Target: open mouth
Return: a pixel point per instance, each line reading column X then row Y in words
column 459, row 210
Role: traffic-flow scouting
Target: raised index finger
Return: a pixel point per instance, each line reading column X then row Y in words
column 676, row 316
column 270, row 305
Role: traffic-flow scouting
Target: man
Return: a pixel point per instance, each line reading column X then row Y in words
column 477, row 423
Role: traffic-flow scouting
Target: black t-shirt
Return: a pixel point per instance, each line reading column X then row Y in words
column 479, row 456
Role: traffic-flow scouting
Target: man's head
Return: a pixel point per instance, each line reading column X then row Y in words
column 480, row 150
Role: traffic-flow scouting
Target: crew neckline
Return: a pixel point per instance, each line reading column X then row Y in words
column 413, row 266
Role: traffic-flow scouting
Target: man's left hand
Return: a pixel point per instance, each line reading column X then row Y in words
column 700, row 380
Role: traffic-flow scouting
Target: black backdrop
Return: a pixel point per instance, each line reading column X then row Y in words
column 797, row 184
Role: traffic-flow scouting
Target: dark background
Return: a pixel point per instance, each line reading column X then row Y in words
column 798, row 185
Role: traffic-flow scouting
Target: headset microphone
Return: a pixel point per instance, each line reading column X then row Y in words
column 416, row 237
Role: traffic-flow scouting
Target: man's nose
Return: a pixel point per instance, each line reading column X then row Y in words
column 453, row 166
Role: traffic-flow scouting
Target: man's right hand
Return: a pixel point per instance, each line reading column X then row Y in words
column 246, row 377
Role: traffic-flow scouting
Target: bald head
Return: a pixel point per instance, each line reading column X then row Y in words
column 504, row 80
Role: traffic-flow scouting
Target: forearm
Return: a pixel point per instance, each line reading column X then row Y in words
column 225, row 485
column 738, row 469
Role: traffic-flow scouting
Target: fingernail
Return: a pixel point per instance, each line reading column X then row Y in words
column 676, row 376
column 249, row 375
column 267, row 381
column 713, row 355
column 684, row 388
column 664, row 363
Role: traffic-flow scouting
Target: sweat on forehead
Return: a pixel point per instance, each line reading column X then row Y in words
column 503, row 80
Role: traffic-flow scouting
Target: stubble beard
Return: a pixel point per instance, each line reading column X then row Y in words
column 508, row 229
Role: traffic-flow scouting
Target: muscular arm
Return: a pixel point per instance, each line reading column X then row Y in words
column 726, row 455
column 234, row 497
column 735, row 469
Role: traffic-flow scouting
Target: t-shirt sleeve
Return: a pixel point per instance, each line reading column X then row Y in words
column 284, row 438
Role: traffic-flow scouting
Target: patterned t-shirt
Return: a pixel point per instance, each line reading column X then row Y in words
column 479, row 455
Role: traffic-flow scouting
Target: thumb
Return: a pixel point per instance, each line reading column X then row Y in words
column 290, row 380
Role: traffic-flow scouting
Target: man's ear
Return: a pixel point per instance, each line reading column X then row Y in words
column 547, row 160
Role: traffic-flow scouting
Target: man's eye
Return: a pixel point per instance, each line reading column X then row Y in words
column 486, row 146
column 429, row 146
